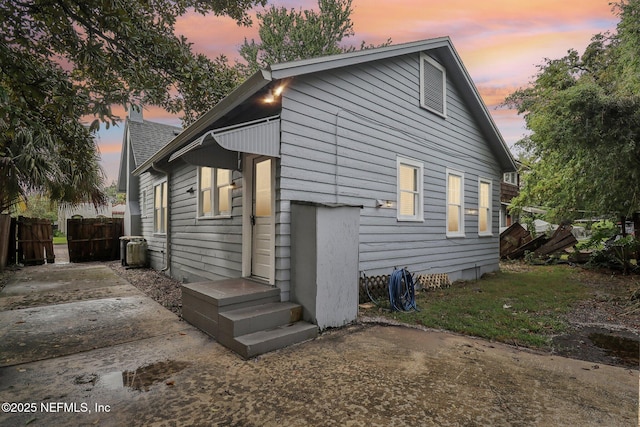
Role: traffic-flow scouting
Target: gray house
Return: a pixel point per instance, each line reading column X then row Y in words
column 141, row 139
column 313, row 170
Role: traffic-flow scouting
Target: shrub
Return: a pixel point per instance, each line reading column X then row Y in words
column 601, row 231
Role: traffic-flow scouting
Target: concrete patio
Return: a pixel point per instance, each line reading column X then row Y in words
column 80, row 346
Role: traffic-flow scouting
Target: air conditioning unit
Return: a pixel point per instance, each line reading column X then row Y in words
column 136, row 252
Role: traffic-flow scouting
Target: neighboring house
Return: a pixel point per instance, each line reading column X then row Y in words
column 400, row 132
column 117, row 211
column 141, row 139
column 509, row 188
column 87, row 210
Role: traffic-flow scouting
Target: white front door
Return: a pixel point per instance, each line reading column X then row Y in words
column 262, row 256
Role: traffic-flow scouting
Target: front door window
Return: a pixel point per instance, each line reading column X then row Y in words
column 262, row 219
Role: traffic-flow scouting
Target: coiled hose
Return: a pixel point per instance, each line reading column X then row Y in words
column 402, row 292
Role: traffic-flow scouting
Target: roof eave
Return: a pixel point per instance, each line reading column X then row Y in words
column 506, row 160
column 247, row 89
column 123, row 173
column 324, row 63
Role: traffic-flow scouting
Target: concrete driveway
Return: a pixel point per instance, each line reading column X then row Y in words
column 79, row 346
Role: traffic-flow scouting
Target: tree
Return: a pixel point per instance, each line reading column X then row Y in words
column 37, row 206
column 289, row 35
column 66, row 61
column 113, row 195
column 584, row 114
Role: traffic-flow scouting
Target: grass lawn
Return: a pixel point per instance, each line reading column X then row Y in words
column 524, row 307
column 59, row 240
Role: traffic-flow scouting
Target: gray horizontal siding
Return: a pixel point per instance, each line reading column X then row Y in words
column 202, row 249
column 156, row 243
column 341, row 133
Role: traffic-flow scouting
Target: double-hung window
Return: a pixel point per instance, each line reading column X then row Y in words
column 214, row 192
column 484, row 207
column 410, row 189
column 511, row 178
column 455, row 203
column 160, row 207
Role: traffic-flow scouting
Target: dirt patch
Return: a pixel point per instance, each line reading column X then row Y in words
column 605, row 328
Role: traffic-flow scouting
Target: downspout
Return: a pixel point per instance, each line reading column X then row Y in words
column 167, row 266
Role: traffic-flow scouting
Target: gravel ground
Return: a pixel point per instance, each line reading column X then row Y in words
column 154, row 284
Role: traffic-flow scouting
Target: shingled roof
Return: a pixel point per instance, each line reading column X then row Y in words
column 148, row 137
column 145, row 139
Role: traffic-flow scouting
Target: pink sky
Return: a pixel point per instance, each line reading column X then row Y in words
column 499, row 41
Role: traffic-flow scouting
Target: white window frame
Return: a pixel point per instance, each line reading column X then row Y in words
column 424, row 57
column 460, row 232
column 144, row 203
column 160, row 227
column 419, row 192
column 510, row 178
column 488, row 209
column 215, row 212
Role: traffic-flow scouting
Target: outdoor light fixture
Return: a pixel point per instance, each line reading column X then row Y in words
column 384, row 203
column 191, row 190
column 273, row 94
column 270, row 97
column 471, row 211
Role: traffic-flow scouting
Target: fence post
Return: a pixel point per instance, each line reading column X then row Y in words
column 5, row 237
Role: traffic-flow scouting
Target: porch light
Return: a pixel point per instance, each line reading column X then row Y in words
column 384, row 203
column 273, row 94
column 270, row 97
column 471, row 211
column 278, row 90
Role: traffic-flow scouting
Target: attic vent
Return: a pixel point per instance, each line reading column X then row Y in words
column 433, row 88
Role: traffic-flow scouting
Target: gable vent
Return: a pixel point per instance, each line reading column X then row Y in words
column 432, row 85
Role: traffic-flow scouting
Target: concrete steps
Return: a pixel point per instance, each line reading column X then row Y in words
column 260, row 342
column 244, row 315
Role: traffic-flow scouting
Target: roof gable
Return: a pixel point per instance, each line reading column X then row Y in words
column 148, row 137
column 140, row 141
column 324, row 63
column 441, row 47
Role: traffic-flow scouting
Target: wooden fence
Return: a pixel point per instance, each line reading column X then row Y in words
column 35, row 241
column 5, row 240
column 94, row 239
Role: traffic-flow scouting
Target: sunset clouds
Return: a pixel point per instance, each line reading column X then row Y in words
column 499, row 41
